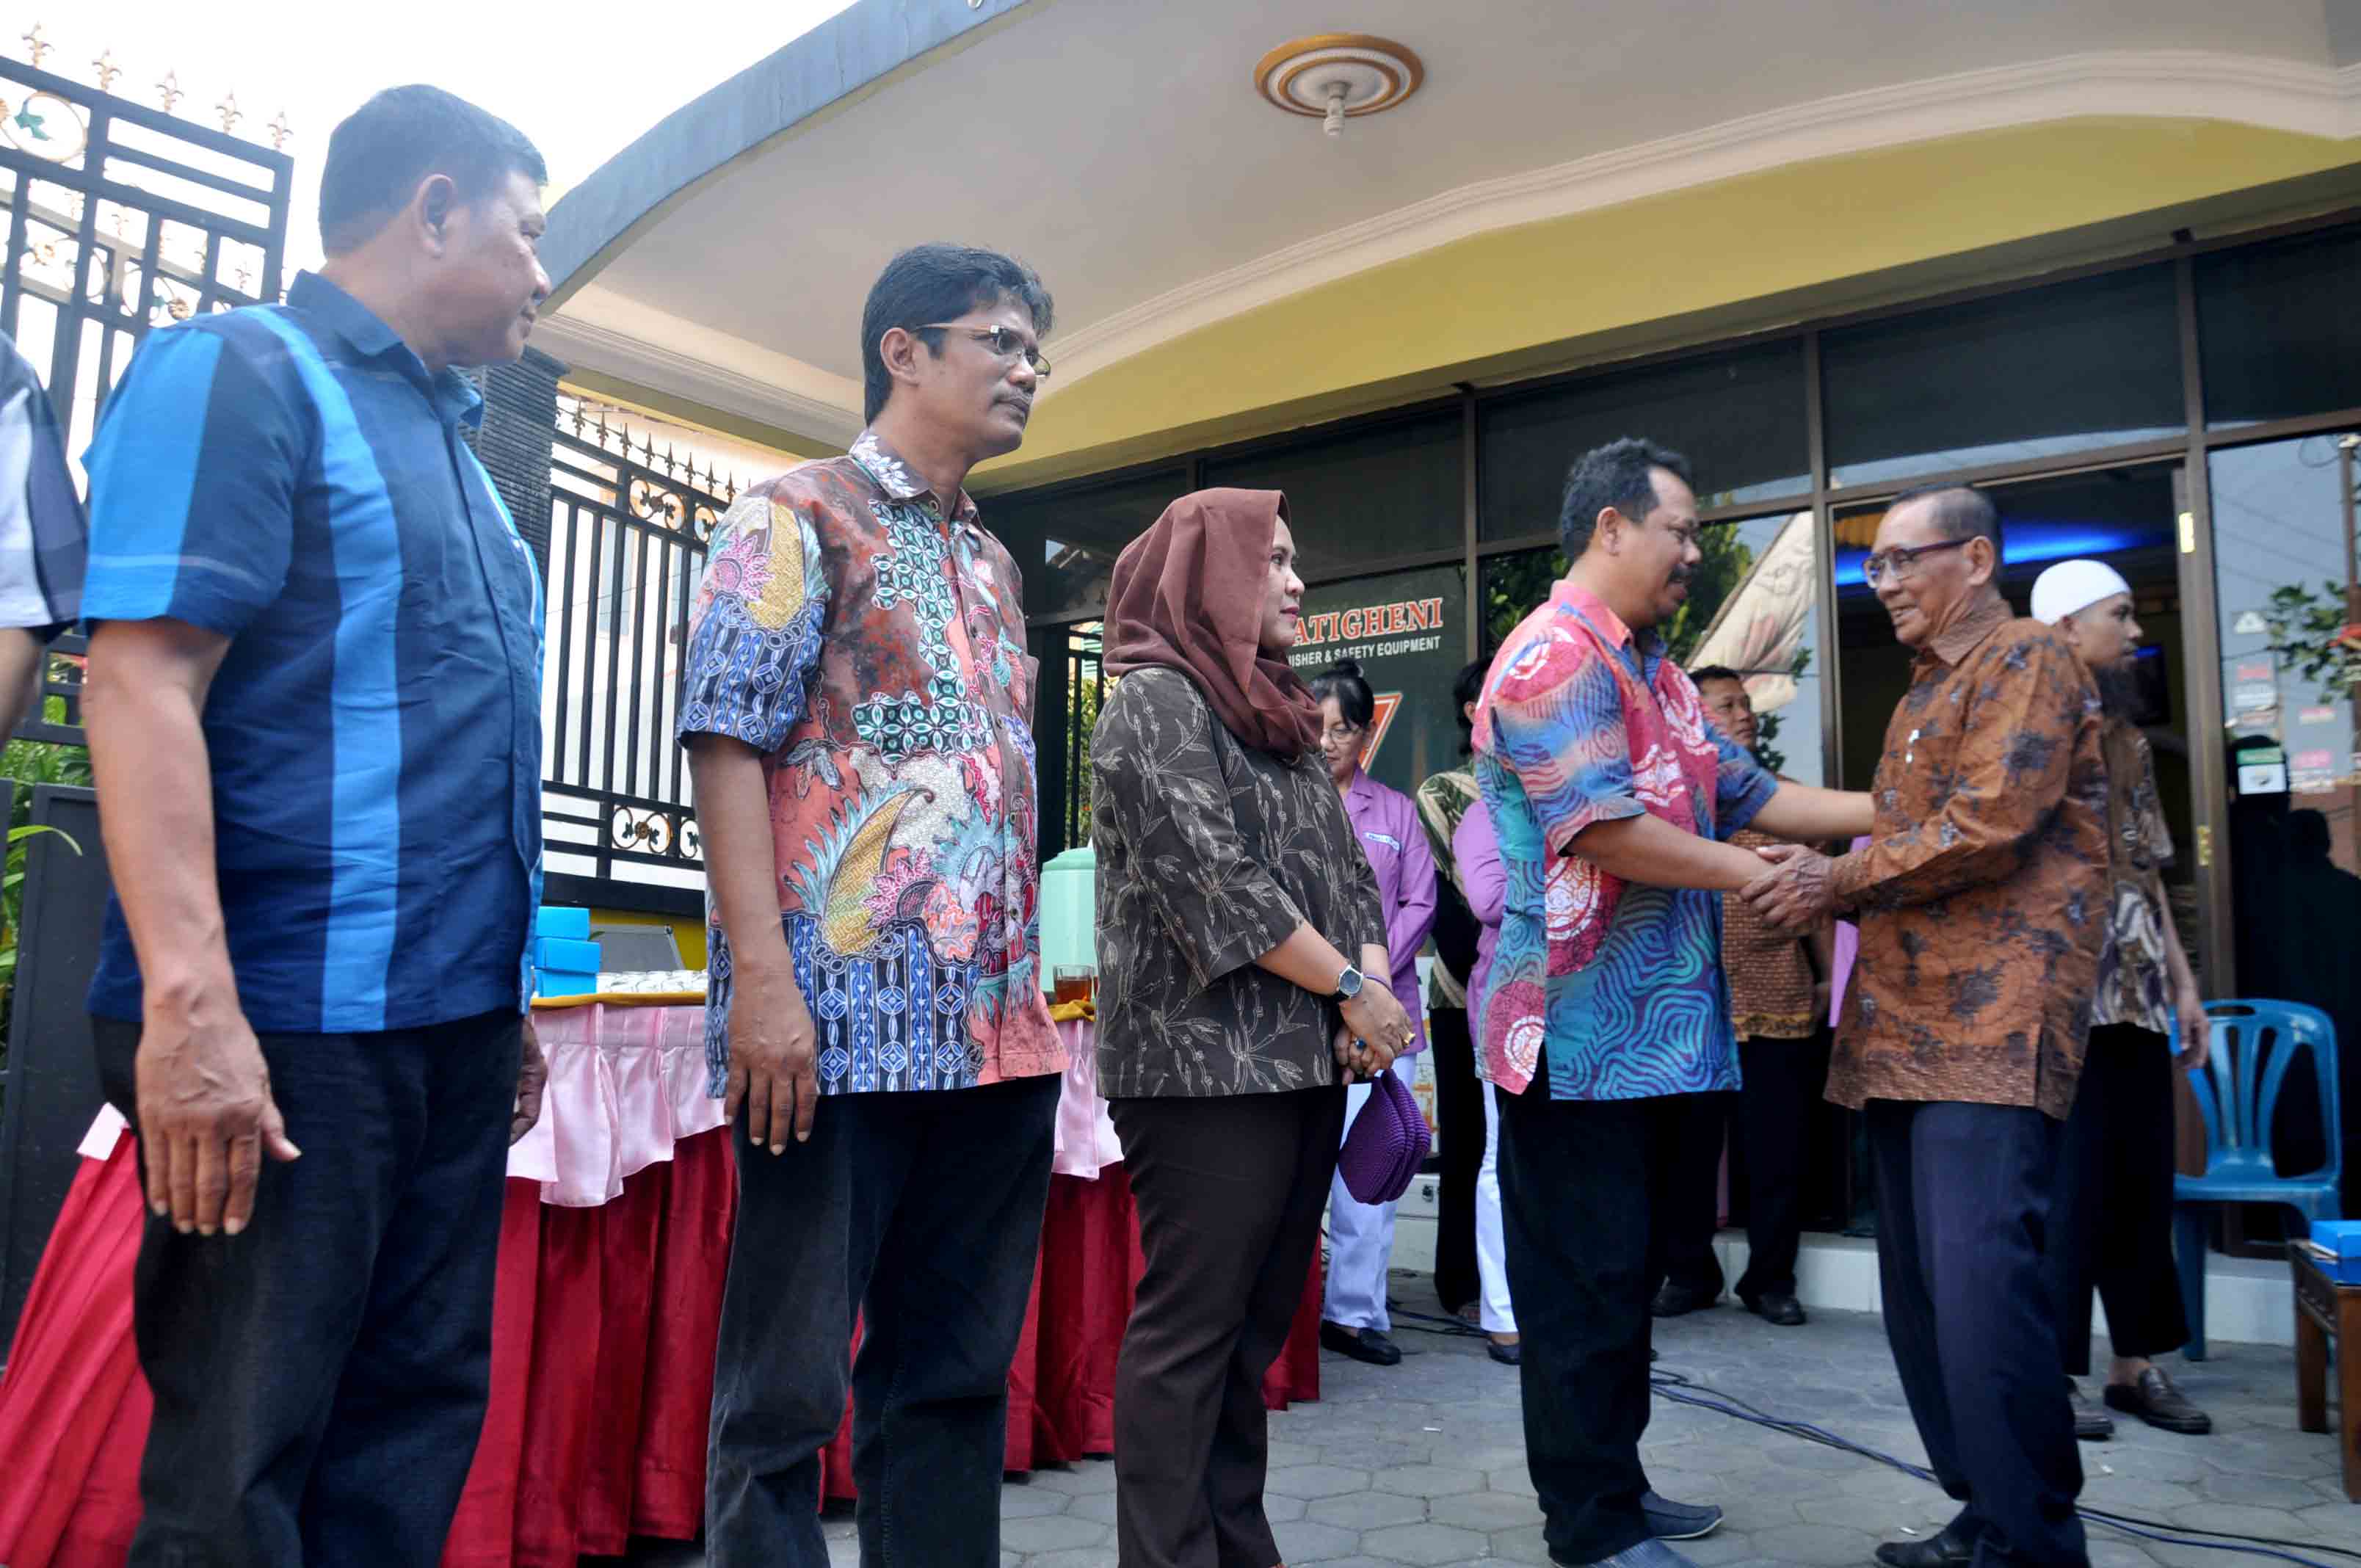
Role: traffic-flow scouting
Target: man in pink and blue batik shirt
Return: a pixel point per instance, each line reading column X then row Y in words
column 1606, row 1007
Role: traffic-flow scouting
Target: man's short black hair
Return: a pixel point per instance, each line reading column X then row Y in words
column 1715, row 673
column 1467, row 688
column 380, row 152
column 1620, row 474
column 938, row 283
column 1958, row 511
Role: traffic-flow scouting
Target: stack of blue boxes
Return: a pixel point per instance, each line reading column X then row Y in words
column 565, row 958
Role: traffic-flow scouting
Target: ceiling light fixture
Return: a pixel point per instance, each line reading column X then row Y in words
column 1333, row 77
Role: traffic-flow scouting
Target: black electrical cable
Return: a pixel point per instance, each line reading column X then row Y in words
column 1673, row 1385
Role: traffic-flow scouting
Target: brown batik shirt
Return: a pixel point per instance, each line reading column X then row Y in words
column 1210, row 852
column 1770, row 978
column 2135, row 982
column 1982, row 896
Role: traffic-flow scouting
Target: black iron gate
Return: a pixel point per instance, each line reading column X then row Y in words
column 628, row 529
column 115, row 218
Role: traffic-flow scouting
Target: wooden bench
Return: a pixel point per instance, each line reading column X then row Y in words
column 2326, row 1311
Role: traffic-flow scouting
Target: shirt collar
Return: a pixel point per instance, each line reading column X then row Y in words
column 898, row 479
column 1964, row 636
column 366, row 334
column 1363, row 789
column 1572, row 596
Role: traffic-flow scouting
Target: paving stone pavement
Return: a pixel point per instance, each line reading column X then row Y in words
column 1425, row 1464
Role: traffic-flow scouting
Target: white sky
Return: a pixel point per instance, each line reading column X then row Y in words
column 582, row 81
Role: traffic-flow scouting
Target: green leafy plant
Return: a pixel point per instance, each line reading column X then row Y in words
column 2309, row 634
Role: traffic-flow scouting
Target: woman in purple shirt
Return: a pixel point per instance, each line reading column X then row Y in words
column 1353, row 1321
column 1484, row 883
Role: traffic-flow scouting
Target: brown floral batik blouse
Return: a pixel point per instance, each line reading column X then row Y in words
column 1210, row 852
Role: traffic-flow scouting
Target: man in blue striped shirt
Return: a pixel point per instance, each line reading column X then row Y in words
column 314, row 706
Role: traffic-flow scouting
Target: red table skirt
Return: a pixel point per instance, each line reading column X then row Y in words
column 600, row 1379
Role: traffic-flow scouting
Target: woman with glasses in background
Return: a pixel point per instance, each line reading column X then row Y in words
column 1354, row 1320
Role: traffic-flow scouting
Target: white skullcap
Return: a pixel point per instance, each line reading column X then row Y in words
column 2074, row 585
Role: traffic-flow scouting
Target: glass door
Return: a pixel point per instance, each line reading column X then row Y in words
column 2287, row 607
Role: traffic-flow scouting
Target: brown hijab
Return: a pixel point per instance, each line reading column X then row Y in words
column 1188, row 594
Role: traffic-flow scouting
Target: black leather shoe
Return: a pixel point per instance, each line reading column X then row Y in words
column 1505, row 1354
column 1361, row 1345
column 1777, row 1306
column 2155, row 1401
column 1678, row 1301
column 2090, row 1423
column 1941, row 1549
column 1668, row 1521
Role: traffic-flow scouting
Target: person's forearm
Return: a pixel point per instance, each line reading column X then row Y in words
column 149, row 757
column 1307, row 958
column 1805, row 814
column 1377, row 964
column 22, row 654
column 2176, row 958
column 1653, row 853
column 733, row 823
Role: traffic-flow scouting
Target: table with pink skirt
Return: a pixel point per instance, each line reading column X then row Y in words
column 614, row 1243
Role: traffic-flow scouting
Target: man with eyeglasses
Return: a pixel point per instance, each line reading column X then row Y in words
column 858, row 714
column 1605, row 1016
column 1981, row 900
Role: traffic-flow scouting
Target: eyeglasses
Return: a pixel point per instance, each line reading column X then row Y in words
column 1005, row 342
column 1902, row 559
column 1338, row 734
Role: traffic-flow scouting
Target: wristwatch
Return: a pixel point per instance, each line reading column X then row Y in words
column 1348, row 985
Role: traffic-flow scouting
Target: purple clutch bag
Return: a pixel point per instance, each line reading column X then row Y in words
column 1386, row 1144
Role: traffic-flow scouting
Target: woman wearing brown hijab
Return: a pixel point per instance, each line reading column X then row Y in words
column 1230, row 891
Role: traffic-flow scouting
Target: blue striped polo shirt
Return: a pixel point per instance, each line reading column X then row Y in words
column 292, row 478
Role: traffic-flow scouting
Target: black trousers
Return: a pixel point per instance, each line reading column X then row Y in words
column 1781, row 1081
column 1963, row 1195
column 2113, row 1227
column 1230, row 1190
column 1459, row 1113
column 1581, row 1185
column 920, row 1213
column 320, row 1380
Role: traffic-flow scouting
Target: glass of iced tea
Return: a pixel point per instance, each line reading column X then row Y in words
column 1074, row 982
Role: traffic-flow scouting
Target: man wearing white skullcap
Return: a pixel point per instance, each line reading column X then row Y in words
column 2115, row 1176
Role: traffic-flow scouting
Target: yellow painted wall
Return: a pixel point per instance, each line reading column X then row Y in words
column 688, row 934
column 1482, row 304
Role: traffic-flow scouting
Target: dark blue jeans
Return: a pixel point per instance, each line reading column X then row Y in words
column 1963, row 1212
column 920, row 1212
column 320, row 1380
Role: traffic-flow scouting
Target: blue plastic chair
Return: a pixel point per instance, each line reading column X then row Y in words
column 2256, row 1045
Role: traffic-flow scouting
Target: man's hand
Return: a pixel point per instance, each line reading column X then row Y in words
column 2196, row 1030
column 771, row 1071
column 205, row 1117
column 1795, row 894
column 533, row 1075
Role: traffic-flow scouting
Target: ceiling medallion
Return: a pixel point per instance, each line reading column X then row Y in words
column 1333, row 77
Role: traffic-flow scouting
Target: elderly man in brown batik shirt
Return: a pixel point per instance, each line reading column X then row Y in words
column 1982, row 899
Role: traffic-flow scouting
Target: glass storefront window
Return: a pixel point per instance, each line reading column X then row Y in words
column 2280, row 329
column 1408, row 632
column 1751, row 608
column 2289, row 609
column 1066, row 541
column 2071, row 367
column 1739, row 417
column 1378, row 490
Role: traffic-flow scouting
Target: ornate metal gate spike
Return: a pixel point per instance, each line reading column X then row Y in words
column 279, row 132
column 35, row 45
column 107, row 71
column 229, row 112
column 168, row 88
